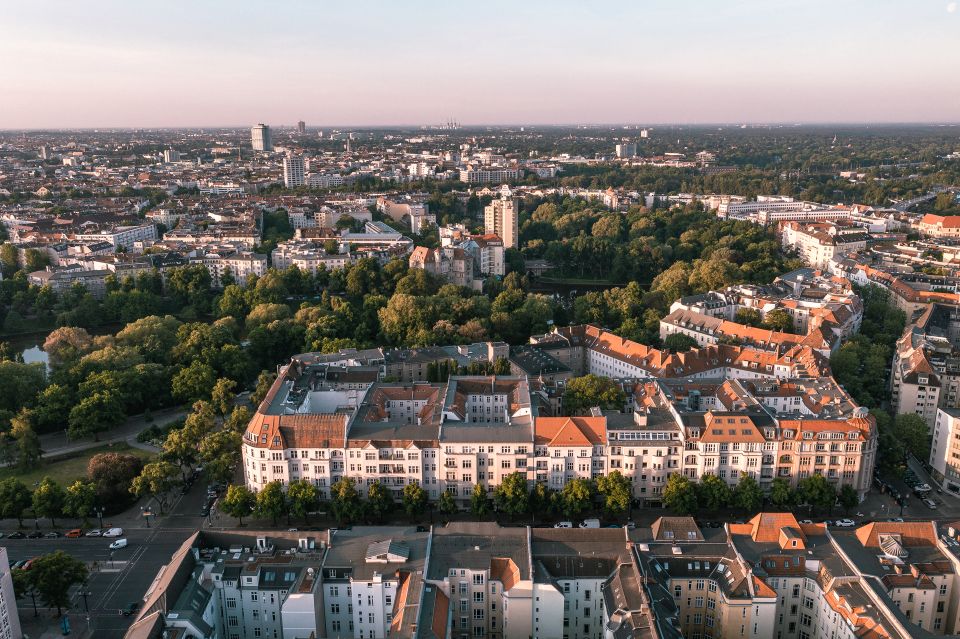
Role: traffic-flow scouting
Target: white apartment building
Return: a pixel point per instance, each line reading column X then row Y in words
column 324, row 180
column 9, row 619
column 260, row 138
column 501, row 218
column 293, row 171
column 818, row 244
column 122, row 237
column 945, row 449
column 488, row 174
column 240, row 264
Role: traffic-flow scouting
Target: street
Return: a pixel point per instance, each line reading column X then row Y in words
column 123, row 578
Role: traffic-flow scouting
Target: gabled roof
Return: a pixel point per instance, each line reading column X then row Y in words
column 570, row 431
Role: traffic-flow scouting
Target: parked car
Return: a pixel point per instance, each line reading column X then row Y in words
column 27, row 564
column 18, row 564
column 17, row 535
column 932, row 505
column 805, row 521
column 73, row 534
column 130, row 608
column 96, row 532
column 590, row 523
column 53, row 534
column 36, row 534
column 112, row 532
column 118, row 544
column 845, row 523
column 563, row 524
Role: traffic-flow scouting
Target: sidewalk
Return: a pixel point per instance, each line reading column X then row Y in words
column 58, row 444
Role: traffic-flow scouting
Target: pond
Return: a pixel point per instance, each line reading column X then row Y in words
column 30, row 345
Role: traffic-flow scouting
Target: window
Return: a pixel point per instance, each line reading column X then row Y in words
column 334, row 609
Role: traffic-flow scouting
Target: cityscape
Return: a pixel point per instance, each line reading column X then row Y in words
column 311, row 330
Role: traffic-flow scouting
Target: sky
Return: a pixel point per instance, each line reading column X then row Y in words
column 117, row 63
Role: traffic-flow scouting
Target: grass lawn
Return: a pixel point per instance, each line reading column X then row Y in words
column 67, row 470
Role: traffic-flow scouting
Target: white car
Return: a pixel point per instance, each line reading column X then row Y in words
column 845, row 523
column 112, row 532
column 118, row 544
column 96, row 532
column 805, row 521
column 563, row 524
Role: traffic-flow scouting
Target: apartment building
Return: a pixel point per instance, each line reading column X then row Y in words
column 9, row 618
column 810, row 297
column 260, row 138
column 489, row 174
column 309, row 256
column 460, row 581
column 454, row 265
column 818, row 243
column 501, row 218
column 120, row 237
column 939, row 225
column 468, row 430
column 925, row 373
column 945, row 449
column 221, row 261
column 294, row 170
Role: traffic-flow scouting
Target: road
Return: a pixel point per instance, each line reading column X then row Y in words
column 125, row 577
column 906, row 204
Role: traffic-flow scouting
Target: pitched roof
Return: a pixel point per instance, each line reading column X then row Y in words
column 912, row 533
column 571, row 431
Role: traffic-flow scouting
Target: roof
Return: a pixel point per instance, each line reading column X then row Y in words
column 570, row 431
column 921, row 533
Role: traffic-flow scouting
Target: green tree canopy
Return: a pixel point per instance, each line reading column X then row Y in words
column 583, row 393
column 680, row 495
column 271, row 502
column 48, row 499
column 239, row 502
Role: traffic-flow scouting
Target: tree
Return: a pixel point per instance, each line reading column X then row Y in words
column 778, row 320
column 223, row 394
column 67, row 344
column 479, row 502
column 379, row 501
column 112, row 474
column 95, row 414
column 511, row 495
column 302, row 498
column 617, row 493
column 193, row 382
column 542, row 500
column 781, row 495
column 53, row 575
column 713, row 493
column 575, row 497
column 182, row 448
column 220, row 452
column 28, row 443
column 414, row 501
column 848, row 497
column 583, row 393
column 447, row 505
column 156, row 480
column 264, row 382
column 816, row 491
column 749, row 316
column 239, row 502
column 271, row 502
column 345, row 500
column 15, row 498
column 911, row 432
column 53, row 408
column 748, row 495
column 48, row 499
column 79, row 500
column 679, row 343
column 680, row 495
column 240, row 416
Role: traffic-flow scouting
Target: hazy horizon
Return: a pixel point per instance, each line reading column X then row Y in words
column 111, row 65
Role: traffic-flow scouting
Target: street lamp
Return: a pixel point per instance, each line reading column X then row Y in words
column 99, row 511
column 85, row 594
column 146, row 515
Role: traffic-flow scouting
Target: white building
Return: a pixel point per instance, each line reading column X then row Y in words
column 9, row 619
column 293, row 171
column 260, row 138
column 502, row 218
